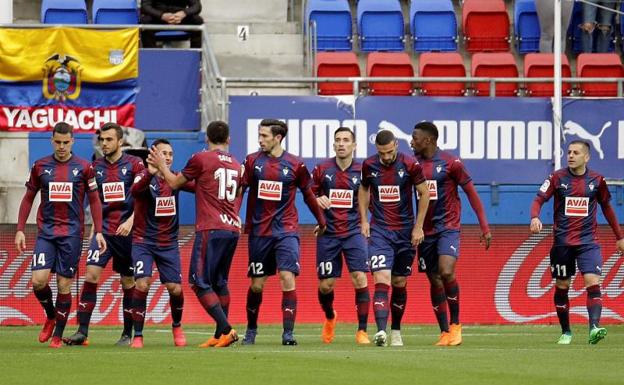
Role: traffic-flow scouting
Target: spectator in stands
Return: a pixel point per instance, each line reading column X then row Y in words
column 546, row 14
column 170, row 12
column 599, row 14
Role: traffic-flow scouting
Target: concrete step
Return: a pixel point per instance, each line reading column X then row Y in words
column 244, row 65
column 245, row 10
column 257, row 44
column 230, row 27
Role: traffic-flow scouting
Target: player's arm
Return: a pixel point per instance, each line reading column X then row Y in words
column 604, row 197
column 363, row 202
column 477, row 207
column 304, row 183
column 175, row 181
column 423, row 204
column 96, row 214
column 546, row 190
column 317, row 189
column 142, row 182
column 22, row 217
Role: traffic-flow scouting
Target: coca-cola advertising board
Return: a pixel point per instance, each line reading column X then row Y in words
column 508, row 284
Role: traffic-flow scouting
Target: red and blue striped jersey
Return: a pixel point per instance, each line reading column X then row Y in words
column 114, row 181
column 217, row 175
column 443, row 172
column 63, row 187
column 575, row 205
column 156, row 211
column 273, row 184
column 392, row 190
column 341, row 187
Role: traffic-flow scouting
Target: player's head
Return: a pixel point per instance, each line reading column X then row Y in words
column 425, row 135
column 62, row 140
column 218, row 132
column 344, row 142
column 578, row 154
column 387, row 146
column 110, row 138
column 271, row 132
column 166, row 150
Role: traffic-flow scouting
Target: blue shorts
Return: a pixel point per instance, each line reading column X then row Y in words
column 329, row 252
column 269, row 254
column 564, row 259
column 442, row 243
column 211, row 258
column 391, row 250
column 167, row 261
column 59, row 255
column 117, row 247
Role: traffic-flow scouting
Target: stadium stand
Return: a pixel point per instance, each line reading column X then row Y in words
column 486, row 25
column 495, row 64
column 389, row 64
column 541, row 65
column 115, row 12
column 380, row 25
column 433, row 25
column 442, row 64
column 333, row 24
column 599, row 65
column 64, row 12
column 526, row 26
column 336, row 64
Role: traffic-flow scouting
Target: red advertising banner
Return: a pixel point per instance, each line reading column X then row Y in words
column 508, row 284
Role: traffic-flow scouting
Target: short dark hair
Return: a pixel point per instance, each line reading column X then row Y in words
column 160, row 141
column 63, row 128
column 111, row 126
column 583, row 143
column 218, row 132
column 345, row 129
column 384, row 137
column 277, row 127
column 429, row 128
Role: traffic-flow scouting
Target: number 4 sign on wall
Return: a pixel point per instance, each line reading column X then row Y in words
column 242, row 31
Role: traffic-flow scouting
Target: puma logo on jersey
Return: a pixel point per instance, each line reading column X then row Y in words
column 49, row 172
column 564, row 186
column 259, row 168
column 100, row 173
column 329, row 177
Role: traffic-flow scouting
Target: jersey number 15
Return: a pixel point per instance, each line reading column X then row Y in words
column 227, row 183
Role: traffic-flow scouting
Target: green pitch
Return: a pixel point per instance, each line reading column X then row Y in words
column 489, row 355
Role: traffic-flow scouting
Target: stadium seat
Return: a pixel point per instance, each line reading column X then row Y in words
column 495, row 65
column 486, row 25
column 333, row 24
column 336, row 64
column 115, row 12
column 389, row 64
column 599, row 65
column 445, row 64
column 433, row 25
column 526, row 26
column 541, row 65
column 64, row 12
column 380, row 25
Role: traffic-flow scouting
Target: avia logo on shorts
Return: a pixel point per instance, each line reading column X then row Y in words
column 389, row 193
column 432, row 186
column 269, row 190
column 341, row 199
column 60, row 191
column 165, row 206
column 576, row 206
column 113, row 192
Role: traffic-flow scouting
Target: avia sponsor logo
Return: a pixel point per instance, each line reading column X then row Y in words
column 226, row 219
column 432, row 186
column 165, row 206
column 389, row 193
column 60, row 191
column 341, row 199
column 113, row 192
column 42, row 118
column 576, row 206
column 312, row 138
column 524, row 287
column 269, row 190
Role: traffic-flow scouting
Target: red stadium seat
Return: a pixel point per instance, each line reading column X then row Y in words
column 599, row 65
column 485, row 25
column 389, row 64
column 542, row 65
column 336, row 64
column 495, row 65
column 445, row 64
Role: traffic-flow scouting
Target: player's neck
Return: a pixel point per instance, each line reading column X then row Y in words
column 62, row 160
column 580, row 170
column 277, row 151
column 114, row 157
column 217, row 147
column 429, row 152
column 344, row 163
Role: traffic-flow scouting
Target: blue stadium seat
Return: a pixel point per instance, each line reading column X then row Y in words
column 381, row 26
column 115, row 12
column 64, row 12
column 333, row 24
column 526, row 26
column 433, row 25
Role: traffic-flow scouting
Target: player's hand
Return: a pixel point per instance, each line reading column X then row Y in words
column 487, row 238
column 319, row 230
column 167, row 17
column 20, row 241
column 125, row 228
column 178, row 17
column 323, row 202
column 620, row 246
column 417, row 236
column 156, row 159
column 365, row 229
column 536, row 225
column 101, row 242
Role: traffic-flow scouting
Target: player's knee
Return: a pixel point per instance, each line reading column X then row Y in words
column 257, row 287
column 143, row 285
column 359, row 280
column 399, row 281
column 174, row 289
column 127, row 282
column 588, row 27
column 447, row 275
column 92, row 276
column 326, row 286
column 38, row 283
column 605, row 29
